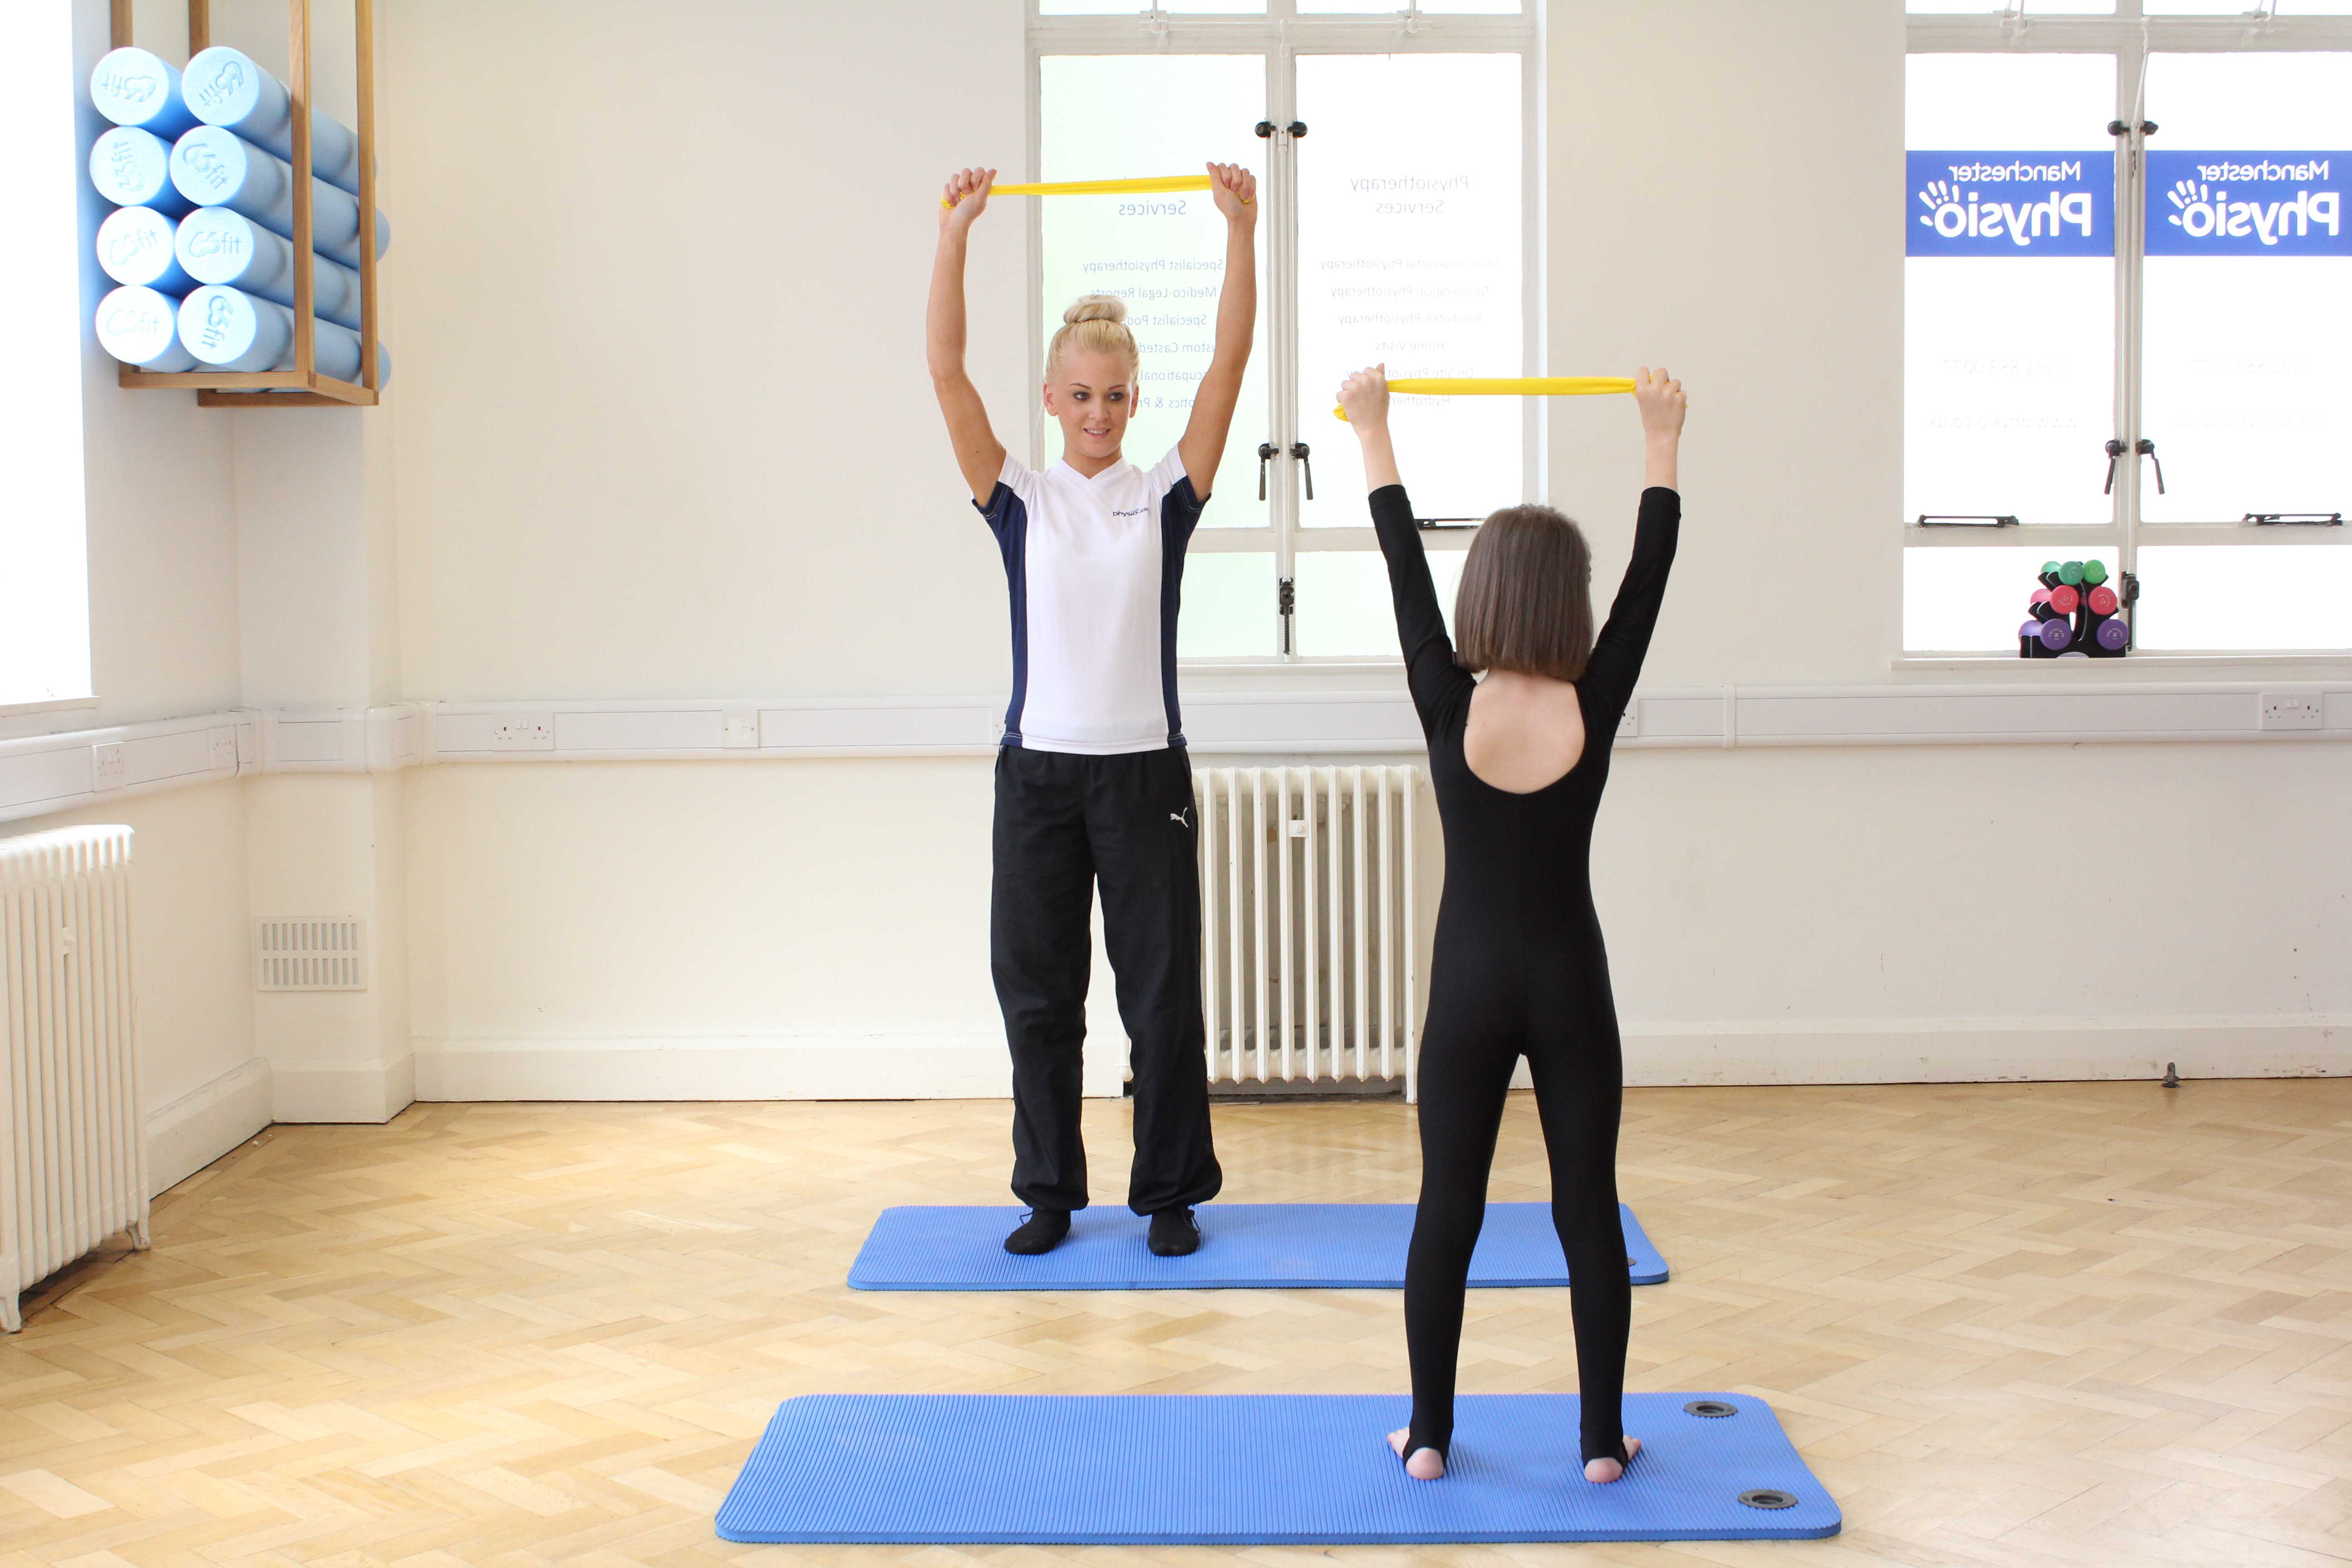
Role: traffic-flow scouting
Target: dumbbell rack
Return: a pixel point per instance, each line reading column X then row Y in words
column 302, row 385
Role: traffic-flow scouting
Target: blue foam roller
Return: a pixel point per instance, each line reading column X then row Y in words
column 137, row 87
column 1260, row 1470
column 133, row 168
column 224, row 86
column 217, row 168
column 140, row 326
column 215, row 245
column 1243, row 1246
column 135, row 246
column 231, row 330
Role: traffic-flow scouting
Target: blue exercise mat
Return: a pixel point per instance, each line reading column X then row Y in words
column 1260, row 1470
column 1243, row 1246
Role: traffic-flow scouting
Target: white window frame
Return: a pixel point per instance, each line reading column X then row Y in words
column 1282, row 35
column 2129, row 36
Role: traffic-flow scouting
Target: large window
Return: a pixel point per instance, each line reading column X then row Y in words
column 2127, row 312
column 1395, row 165
column 44, row 574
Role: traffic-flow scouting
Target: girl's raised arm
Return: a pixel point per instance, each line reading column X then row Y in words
column 1431, row 674
column 1203, row 445
column 977, row 452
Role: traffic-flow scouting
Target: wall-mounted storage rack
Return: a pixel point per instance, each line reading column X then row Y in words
column 301, row 385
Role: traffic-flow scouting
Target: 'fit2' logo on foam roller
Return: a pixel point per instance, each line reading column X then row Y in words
column 2248, row 204
column 1993, row 203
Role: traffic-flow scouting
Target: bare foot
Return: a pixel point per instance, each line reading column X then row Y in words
column 1424, row 1465
column 1605, row 1470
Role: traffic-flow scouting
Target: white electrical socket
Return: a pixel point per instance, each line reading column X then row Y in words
column 1628, row 723
column 2291, row 711
column 523, row 734
column 106, row 765
column 739, row 729
column 224, row 750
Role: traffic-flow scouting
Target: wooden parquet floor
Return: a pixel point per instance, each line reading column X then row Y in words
column 2032, row 1324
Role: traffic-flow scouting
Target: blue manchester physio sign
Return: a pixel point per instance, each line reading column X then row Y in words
column 2247, row 204
column 2012, row 204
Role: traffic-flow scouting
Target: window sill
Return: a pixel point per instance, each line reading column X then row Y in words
column 1979, row 662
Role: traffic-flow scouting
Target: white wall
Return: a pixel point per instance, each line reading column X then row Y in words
column 666, row 427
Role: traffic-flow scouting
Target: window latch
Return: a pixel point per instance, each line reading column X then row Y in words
column 1265, row 450
column 2145, row 449
column 2124, row 127
column 1266, row 128
column 1299, row 450
column 1286, row 601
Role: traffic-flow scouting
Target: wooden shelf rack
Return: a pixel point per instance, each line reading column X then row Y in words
column 251, row 389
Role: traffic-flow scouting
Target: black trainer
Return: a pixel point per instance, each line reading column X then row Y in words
column 1174, row 1234
column 1040, row 1232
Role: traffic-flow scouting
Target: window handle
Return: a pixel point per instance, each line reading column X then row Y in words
column 2146, row 448
column 2116, row 450
column 1265, row 450
column 1299, row 450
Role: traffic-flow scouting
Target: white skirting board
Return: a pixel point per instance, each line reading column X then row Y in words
column 1990, row 1050
column 975, row 1067
column 788, row 1066
column 364, row 1093
column 205, row 1123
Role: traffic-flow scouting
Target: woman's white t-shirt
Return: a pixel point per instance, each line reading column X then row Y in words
column 1095, row 566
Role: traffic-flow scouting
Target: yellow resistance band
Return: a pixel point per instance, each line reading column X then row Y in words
column 1506, row 387
column 1151, row 186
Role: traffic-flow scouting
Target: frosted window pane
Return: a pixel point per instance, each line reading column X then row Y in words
column 1344, row 608
column 1428, row 8
column 1963, row 600
column 1409, row 251
column 1229, row 607
column 1130, row 9
column 2009, row 287
column 2247, row 333
column 43, row 580
column 2230, row 598
column 2210, row 8
column 1107, row 117
column 2040, row 7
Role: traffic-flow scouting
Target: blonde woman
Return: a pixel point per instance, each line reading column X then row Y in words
column 1093, row 782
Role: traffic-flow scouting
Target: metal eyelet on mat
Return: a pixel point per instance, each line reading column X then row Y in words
column 1714, row 1409
column 1765, row 1497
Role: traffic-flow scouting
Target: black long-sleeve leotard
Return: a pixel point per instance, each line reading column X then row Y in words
column 1519, row 969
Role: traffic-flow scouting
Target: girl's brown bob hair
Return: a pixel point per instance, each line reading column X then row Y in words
column 1526, row 600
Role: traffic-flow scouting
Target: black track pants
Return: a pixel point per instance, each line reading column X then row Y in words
column 1063, row 824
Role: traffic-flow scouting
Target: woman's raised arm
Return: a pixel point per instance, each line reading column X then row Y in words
column 977, row 452
column 1204, row 444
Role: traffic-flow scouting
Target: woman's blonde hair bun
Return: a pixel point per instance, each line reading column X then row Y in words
column 1095, row 308
column 1098, row 322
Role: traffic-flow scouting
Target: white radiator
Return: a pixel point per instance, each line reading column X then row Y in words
column 73, row 1144
column 1307, row 923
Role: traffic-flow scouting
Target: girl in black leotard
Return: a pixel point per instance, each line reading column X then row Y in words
column 1518, row 763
